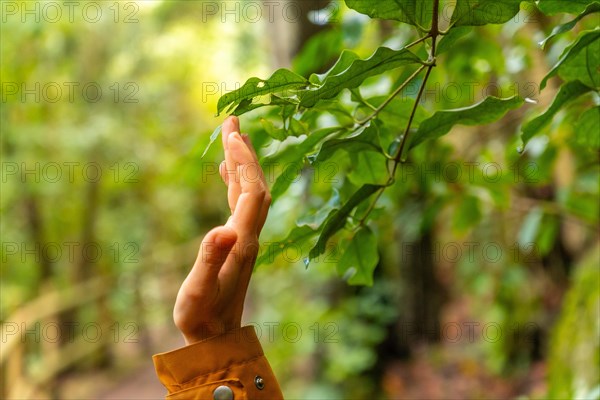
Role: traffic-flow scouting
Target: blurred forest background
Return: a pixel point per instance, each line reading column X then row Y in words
column 487, row 286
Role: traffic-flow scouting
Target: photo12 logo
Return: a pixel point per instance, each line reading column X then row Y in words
column 68, row 172
column 69, row 332
column 21, row 252
column 468, row 332
column 289, row 332
column 52, row 12
column 70, row 92
column 250, row 11
column 469, row 171
column 472, row 251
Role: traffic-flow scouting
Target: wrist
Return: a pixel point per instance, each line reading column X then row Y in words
column 207, row 331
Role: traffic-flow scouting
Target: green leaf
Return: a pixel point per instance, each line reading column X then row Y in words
column 392, row 120
column 290, row 174
column 584, row 66
column 299, row 150
column 395, row 117
column 349, row 72
column 297, row 127
column 281, row 80
column 287, row 111
column 551, row 7
column 364, row 139
column 567, row 92
column 482, row 12
column 337, row 220
column 297, row 237
column 359, row 259
column 414, row 12
column 450, row 39
column 213, row 137
column 292, row 158
column 334, row 107
column 398, row 111
column 357, row 97
column 368, row 167
column 583, row 41
column 384, row 59
column 343, row 62
column 272, row 130
column 587, row 130
column 592, row 8
column 315, row 220
column 248, row 105
column 484, row 112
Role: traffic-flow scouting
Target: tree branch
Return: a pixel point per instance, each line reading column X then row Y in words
column 433, row 33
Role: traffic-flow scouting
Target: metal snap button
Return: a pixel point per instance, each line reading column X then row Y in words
column 223, row 393
column 259, row 382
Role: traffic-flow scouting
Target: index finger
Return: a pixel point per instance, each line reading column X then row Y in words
column 247, row 214
column 230, row 125
column 267, row 200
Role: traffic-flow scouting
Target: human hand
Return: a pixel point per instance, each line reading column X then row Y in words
column 211, row 298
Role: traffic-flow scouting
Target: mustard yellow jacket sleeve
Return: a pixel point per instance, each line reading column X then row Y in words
column 231, row 366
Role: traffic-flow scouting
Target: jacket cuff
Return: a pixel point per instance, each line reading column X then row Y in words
column 193, row 364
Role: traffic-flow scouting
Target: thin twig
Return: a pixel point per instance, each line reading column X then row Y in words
column 372, row 205
column 392, row 96
column 433, row 34
column 417, row 41
column 398, row 156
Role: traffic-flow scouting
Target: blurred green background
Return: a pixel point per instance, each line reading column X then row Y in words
column 486, row 288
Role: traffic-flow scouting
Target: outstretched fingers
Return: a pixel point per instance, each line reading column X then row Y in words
column 248, row 212
column 267, row 198
column 228, row 169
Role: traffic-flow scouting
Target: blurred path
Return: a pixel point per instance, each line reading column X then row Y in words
column 141, row 384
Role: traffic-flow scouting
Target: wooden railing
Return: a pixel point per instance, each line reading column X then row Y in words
column 31, row 355
column 36, row 325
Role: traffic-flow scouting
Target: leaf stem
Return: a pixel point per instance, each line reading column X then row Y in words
column 417, row 41
column 404, row 141
column 392, row 96
column 433, row 33
column 371, row 206
column 400, row 88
